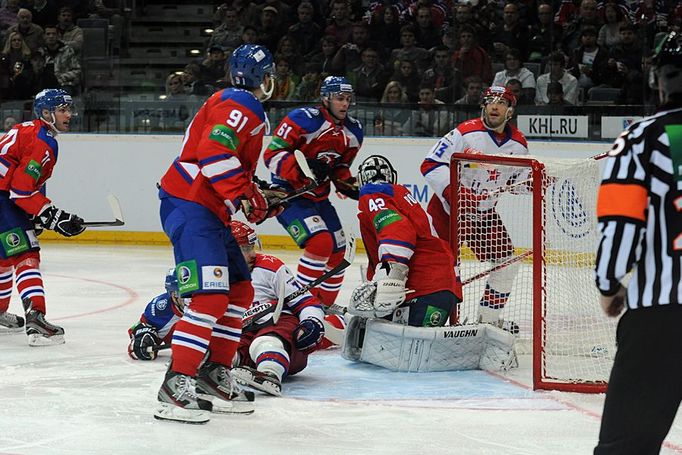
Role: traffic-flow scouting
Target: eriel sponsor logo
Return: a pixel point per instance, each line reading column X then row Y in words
column 215, row 285
column 217, row 273
column 460, row 333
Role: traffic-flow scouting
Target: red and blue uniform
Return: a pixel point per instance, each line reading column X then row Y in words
column 311, row 220
column 199, row 193
column 395, row 228
column 28, row 154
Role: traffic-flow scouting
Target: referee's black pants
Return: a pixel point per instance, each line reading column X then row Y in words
column 645, row 386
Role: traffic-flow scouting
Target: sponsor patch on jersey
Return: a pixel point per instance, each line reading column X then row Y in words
column 34, row 169
column 384, row 218
column 188, row 277
column 14, row 242
column 434, row 317
column 314, row 224
column 224, row 135
column 215, row 277
column 278, row 143
column 161, row 304
column 340, row 238
column 297, row 232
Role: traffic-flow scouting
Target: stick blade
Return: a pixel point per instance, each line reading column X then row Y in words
column 281, row 295
column 349, row 255
column 303, row 164
column 116, row 209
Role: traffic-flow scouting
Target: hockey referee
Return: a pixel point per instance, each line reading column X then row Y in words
column 640, row 217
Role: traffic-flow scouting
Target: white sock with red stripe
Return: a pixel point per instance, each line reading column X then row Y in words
column 30, row 283
column 269, row 355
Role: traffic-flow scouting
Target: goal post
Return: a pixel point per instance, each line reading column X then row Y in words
column 524, row 232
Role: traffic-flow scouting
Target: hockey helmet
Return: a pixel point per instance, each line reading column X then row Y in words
column 249, row 64
column 243, row 234
column 666, row 64
column 173, row 290
column 497, row 93
column 376, row 169
column 333, row 85
column 50, row 99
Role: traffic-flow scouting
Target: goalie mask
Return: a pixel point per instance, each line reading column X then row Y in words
column 376, row 169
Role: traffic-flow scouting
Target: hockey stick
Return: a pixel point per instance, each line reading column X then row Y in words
column 249, row 323
column 115, row 209
column 307, row 172
column 499, row 266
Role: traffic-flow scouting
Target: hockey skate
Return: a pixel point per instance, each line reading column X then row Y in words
column 10, row 323
column 39, row 331
column 178, row 400
column 215, row 382
column 260, row 380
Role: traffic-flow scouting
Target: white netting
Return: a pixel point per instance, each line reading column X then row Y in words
column 578, row 339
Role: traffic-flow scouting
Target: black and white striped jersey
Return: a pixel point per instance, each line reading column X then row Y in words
column 639, row 209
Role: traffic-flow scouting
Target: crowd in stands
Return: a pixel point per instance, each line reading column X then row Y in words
column 425, row 52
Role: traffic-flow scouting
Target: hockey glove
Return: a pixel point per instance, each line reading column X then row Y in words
column 142, row 338
column 64, row 223
column 321, row 170
column 390, row 279
column 308, row 334
column 256, row 206
column 362, row 300
column 348, row 187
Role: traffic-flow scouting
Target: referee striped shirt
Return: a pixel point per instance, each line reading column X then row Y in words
column 639, row 209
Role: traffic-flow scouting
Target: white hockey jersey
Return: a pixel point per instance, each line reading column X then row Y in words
column 483, row 182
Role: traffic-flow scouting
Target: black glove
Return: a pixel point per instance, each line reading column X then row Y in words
column 37, row 226
column 320, row 169
column 143, row 337
column 64, row 223
column 348, row 187
column 308, row 334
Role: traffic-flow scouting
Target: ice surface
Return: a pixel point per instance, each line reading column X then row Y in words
column 88, row 397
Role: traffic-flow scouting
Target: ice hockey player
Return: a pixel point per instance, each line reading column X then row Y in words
column 330, row 139
column 267, row 352
column 28, row 154
column 482, row 226
column 413, row 284
column 202, row 189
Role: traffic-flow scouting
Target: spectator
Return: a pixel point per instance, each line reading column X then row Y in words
column 368, row 79
column 609, row 33
column 287, row 49
column 441, row 74
column 268, row 29
column 514, row 69
column 16, row 73
column 306, row 33
column 285, row 16
column 68, row 32
column 250, row 35
column 511, row 34
column 229, row 33
column 557, row 73
column 515, row 86
column 625, row 65
column 349, row 55
column 247, row 13
column 175, row 115
column 588, row 63
column 407, row 76
column 285, row 84
column 62, row 57
column 555, row 95
column 191, row 78
column 409, row 51
column 309, row 87
column 473, row 88
column 545, row 37
column 427, row 34
column 587, row 17
column 8, row 18
column 431, row 119
column 339, row 22
column 463, row 16
column 8, row 123
column 471, row 59
column 32, row 34
column 390, row 119
column 323, row 58
column 43, row 77
column 385, row 28
column 212, row 68
column 44, row 12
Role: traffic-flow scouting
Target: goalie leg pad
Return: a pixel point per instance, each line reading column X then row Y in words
column 422, row 349
column 352, row 343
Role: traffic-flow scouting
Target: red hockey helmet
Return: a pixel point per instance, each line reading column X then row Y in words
column 497, row 93
column 243, row 233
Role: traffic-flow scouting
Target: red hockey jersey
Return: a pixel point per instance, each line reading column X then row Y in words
column 28, row 154
column 220, row 151
column 394, row 227
column 313, row 131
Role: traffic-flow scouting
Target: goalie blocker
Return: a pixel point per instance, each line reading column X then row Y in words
column 422, row 349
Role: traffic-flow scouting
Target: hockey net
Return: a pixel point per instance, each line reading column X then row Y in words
column 547, row 207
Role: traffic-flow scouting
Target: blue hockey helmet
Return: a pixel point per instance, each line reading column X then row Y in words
column 50, row 99
column 333, row 85
column 248, row 66
column 171, row 283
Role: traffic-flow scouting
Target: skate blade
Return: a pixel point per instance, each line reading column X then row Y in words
column 266, row 387
column 221, row 406
column 167, row 411
column 10, row 331
column 37, row 340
